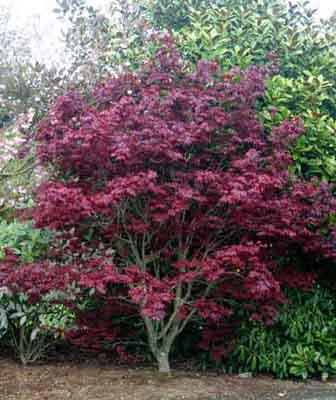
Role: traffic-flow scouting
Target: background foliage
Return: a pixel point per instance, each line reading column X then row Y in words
column 304, row 50
column 302, row 343
column 240, row 33
column 27, row 242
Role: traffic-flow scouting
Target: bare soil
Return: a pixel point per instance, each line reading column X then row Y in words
column 92, row 381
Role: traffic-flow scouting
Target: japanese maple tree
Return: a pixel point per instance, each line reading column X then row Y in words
column 174, row 200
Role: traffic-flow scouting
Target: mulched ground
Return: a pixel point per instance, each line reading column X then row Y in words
column 92, row 381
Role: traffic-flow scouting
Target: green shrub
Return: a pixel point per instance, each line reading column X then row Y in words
column 244, row 32
column 305, row 96
column 241, row 32
column 28, row 328
column 301, row 344
column 172, row 15
column 27, row 242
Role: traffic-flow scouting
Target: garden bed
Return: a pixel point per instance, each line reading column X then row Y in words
column 94, row 381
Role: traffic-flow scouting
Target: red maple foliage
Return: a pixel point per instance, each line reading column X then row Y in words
column 174, row 200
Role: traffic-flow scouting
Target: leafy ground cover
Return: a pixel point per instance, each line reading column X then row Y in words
column 92, row 381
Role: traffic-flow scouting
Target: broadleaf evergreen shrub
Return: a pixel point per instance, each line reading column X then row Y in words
column 27, row 242
column 245, row 32
column 315, row 151
column 301, row 344
column 28, row 328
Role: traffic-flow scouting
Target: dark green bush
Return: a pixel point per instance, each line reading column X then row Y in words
column 248, row 31
column 29, row 329
column 302, row 343
column 305, row 96
column 240, row 33
column 245, row 32
column 27, row 242
column 173, row 15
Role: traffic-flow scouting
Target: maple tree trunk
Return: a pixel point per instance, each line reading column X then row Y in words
column 163, row 362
